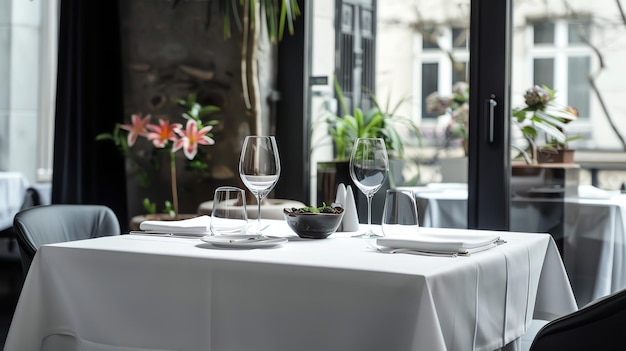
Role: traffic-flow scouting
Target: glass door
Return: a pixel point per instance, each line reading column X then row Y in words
column 567, row 93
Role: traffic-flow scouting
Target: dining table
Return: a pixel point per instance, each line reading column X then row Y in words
column 594, row 229
column 149, row 292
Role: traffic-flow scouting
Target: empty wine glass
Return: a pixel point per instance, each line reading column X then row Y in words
column 369, row 165
column 259, row 168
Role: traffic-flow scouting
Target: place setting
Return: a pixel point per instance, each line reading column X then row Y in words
column 228, row 225
column 369, row 167
column 401, row 233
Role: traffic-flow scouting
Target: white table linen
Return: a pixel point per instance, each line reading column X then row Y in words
column 156, row 293
column 441, row 205
column 13, row 187
column 594, row 249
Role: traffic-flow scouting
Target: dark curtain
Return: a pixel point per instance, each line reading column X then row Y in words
column 89, row 102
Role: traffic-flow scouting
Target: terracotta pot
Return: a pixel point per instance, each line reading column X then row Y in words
column 561, row 156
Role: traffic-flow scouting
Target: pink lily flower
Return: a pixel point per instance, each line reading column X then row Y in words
column 163, row 133
column 138, row 127
column 191, row 137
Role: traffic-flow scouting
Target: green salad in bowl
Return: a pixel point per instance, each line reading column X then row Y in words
column 314, row 222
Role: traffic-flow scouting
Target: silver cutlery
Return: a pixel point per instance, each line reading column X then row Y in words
column 167, row 234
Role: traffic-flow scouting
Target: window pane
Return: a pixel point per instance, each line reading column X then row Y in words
column 429, row 39
column 578, row 84
column 578, row 30
column 543, row 72
column 430, row 83
column 460, row 73
column 459, row 38
column 543, row 32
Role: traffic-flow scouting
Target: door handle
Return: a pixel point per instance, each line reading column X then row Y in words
column 492, row 111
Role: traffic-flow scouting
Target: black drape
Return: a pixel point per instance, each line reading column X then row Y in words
column 89, row 102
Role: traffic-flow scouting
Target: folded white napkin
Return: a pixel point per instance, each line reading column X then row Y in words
column 462, row 243
column 196, row 225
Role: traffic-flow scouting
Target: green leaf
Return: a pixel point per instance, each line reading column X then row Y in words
column 149, row 206
column 546, row 118
column 551, row 131
column 105, row 136
column 207, row 110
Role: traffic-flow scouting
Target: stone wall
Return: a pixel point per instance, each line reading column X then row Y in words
column 167, row 53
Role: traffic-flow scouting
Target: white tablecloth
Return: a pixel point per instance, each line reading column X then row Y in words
column 594, row 233
column 154, row 293
column 13, row 187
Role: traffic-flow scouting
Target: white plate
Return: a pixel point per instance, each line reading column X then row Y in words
column 243, row 241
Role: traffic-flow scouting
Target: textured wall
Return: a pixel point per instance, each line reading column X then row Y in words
column 168, row 53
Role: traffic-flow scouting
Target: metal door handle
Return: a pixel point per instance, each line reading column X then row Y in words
column 492, row 107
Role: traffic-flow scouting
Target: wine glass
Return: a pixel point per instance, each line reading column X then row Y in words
column 259, row 168
column 369, row 165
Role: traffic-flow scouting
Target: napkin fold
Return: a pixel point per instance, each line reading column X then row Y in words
column 350, row 220
column 464, row 244
column 196, row 225
column 340, row 200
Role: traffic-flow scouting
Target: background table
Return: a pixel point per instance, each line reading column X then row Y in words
column 138, row 293
column 13, row 187
column 594, row 240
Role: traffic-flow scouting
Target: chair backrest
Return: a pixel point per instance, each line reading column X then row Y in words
column 31, row 199
column 41, row 225
column 597, row 326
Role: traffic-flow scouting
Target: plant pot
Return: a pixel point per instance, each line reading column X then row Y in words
column 560, row 156
column 331, row 174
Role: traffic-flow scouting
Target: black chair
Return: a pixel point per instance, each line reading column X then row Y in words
column 50, row 224
column 31, row 199
column 596, row 326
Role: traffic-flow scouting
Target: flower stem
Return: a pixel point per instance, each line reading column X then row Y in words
column 174, row 187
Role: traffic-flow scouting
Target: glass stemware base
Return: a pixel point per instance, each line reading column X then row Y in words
column 369, row 235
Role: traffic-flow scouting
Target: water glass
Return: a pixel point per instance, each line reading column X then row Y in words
column 229, row 216
column 399, row 213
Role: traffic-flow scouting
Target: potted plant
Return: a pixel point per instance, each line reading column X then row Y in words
column 165, row 137
column 377, row 122
column 542, row 116
column 456, row 108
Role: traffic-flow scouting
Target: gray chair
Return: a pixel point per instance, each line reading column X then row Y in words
column 50, row 224
column 596, row 326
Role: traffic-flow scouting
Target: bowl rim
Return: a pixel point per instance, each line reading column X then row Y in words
column 288, row 211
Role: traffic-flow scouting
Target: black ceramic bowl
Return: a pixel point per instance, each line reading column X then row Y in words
column 313, row 225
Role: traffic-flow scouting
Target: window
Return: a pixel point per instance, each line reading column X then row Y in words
column 355, row 49
column 28, row 78
column 562, row 61
column 443, row 62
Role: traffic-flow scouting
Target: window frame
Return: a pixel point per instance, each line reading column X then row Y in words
column 561, row 50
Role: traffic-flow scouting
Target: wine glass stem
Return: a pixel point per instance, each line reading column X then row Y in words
column 369, row 213
column 258, row 218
